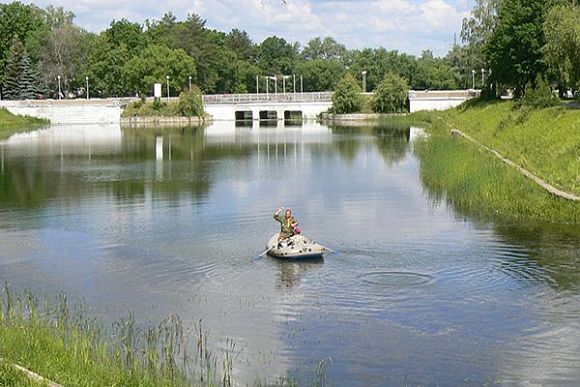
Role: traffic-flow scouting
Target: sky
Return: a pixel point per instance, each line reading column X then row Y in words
column 405, row 25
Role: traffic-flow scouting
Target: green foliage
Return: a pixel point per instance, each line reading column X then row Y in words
column 347, row 96
column 276, row 56
column 11, row 124
column 562, row 49
column 391, row 95
column 28, row 80
column 320, row 75
column 514, row 48
column 539, row 95
column 190, row 103
column 153, row 64
column 61, row 342
column 14, row 69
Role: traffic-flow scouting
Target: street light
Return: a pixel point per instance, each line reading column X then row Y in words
column 87, row 79
column 267, row 86
column 473, row 75
column 190, row 83
column 58, row 86
column 364, row 81
column 482, row 78
column 167, row 78
column 275, row 79
column 284, row 77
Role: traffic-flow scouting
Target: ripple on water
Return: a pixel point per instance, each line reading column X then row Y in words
column 397, row 279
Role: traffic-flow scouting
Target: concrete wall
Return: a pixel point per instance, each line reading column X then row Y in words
column 76, row 111
column 440, row 99
column 227, row 112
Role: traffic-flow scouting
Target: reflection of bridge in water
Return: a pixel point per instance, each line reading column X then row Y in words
column 267, row 107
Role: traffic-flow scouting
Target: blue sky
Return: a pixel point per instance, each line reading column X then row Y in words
column 405, row 25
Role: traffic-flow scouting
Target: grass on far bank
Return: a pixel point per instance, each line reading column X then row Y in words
column 474, row 182
column 11, row 123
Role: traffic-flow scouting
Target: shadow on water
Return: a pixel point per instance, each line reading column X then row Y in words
column 291, row 272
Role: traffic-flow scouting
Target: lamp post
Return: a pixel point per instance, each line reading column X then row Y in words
column 294, row 84
column 267, row 86
column 87, row 79
column 364, row 81
column 301, row 86
column 473, row 76
column 482, row 78
column 284, row 77
column 167, row 79
column 257, row 85
column 58, row 86
column 190, row 83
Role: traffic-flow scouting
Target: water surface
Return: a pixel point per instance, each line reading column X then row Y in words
column 169, row 221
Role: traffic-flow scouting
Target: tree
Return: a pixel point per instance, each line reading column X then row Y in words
column 391, row 95
column 562, row 49
column 539, row 94
column 28, row 80
column 13, row 71
column 514, row 48
column 477, row 30
column 240, row 43
column 327, row 48
column 276, row 56
column 153, row 64
column 319, row 74
column 191, row 103
column 347, row 96
column 23, row 21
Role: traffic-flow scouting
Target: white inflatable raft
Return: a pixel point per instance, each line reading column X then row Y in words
column 296, row 247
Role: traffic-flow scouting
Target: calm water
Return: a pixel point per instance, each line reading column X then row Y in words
column 171, row 221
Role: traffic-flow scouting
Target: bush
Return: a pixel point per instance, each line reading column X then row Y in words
column 347, row 96
column 539, row 95
column 190, row 103
column 391, row 95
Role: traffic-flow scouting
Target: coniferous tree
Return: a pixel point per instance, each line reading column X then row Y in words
column 28, row 79
column 13, row 71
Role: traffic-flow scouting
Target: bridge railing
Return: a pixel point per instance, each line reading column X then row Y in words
column 267, row 97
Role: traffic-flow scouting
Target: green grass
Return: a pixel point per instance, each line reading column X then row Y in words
column 11, row 124
column 475, row 182
column 545, row 141
column 151, row 109
column 61, row 343
column 11, row 377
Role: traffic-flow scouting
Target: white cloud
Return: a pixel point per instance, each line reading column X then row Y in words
column 405, row 25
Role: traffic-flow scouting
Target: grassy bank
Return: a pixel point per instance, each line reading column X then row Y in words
column 475, row 182
column 62, row 343
column 11, row 124
column 544, row 141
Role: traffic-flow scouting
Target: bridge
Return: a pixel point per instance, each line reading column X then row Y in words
column 226, row 107
column 279, row 106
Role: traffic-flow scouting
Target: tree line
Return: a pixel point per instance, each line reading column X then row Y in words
column 504, row 44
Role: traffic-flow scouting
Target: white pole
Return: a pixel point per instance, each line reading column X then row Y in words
column 267, row 86
column 167, row 78
column 59, row 87
column 190, row 83
column 284, row 84
column 257, row 85
column 473, row 75
column 294, row 84
column 301, row 86
column 87, row 79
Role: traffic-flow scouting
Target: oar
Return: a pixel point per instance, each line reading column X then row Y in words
column 265, row 252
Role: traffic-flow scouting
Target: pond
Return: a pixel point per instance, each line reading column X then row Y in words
column 156, row 222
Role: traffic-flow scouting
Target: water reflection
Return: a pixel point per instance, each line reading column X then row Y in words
column 163, row 221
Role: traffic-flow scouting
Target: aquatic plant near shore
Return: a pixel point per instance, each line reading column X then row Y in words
column 62, row 343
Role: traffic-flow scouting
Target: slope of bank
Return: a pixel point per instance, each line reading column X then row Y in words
column 544, row 141
column 474, row 181
column 11, row 124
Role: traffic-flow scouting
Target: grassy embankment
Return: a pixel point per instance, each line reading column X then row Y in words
column 61, row 343
column 11, row 124
column 544, row 141
column 152, row 109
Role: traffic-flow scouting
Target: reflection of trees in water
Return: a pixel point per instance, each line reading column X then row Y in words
column 392, row 140
column 30, row 182
column 553, row 249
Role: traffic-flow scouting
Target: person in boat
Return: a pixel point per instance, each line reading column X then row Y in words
column 288, row 224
